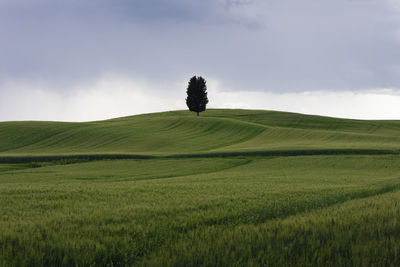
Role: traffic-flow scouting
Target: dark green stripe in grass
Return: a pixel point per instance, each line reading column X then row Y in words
column 314, row 152
column 69, row 158
column 90, row 157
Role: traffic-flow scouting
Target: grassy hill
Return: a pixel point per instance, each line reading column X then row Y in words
column 216, row 131
column 154, row 190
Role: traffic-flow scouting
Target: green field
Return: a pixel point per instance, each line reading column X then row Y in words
column 228, row 188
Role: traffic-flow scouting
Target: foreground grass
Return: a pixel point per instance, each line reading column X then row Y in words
column 362, row 232
column 304, row 210
column 232, row 187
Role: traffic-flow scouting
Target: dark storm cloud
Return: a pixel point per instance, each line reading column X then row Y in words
column 67, row 41
column 275, row 45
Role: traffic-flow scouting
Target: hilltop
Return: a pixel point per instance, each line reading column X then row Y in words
column 216, row 131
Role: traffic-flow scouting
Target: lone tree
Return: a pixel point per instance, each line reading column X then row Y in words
column 197, row 95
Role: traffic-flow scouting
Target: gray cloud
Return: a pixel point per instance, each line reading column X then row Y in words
column 275, row 45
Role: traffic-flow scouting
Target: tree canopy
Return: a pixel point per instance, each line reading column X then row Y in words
column 197, row 94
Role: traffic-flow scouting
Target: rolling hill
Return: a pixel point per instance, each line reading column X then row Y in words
column 215, row 132
column 173, row 189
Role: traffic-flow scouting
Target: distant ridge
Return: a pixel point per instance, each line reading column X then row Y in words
column 217, row 132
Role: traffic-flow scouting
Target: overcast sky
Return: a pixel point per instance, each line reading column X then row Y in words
column 79, row 60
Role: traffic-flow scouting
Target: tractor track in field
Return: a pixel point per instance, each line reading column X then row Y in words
column 139, row 179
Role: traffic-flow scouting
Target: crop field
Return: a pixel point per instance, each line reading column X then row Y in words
column 228, row 188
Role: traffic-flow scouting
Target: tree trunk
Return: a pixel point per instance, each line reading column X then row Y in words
column 197, row 114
